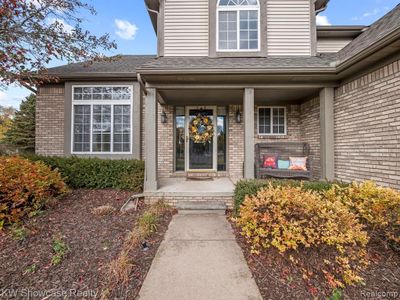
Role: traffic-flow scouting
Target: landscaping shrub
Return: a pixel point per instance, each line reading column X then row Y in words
column 25, row 187
column 290, row 218
column 251, row 187
column 377, row 207
column 97, row 173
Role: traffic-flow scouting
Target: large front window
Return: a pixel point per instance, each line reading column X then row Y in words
column 238, row 25
column 102, row 119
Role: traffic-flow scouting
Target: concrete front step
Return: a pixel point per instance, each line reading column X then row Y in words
column 201, row 205
column 180, row 200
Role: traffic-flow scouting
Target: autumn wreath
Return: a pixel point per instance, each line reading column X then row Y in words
column 201, row 129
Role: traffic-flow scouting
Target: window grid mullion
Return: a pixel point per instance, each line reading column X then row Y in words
column 112, row 129
column 91, row 128
column 271, row 131
column 238, row 30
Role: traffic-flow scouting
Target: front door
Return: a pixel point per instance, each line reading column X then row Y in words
column 201, row 144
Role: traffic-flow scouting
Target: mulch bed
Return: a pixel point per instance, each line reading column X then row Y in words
column 278, row 278
column 93, row 242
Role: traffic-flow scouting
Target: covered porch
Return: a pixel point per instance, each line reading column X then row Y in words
column 306, row 111
column 254, row 106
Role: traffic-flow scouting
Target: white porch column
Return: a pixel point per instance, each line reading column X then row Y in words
column 150, row 126
column 248, row 111
column 327, row 134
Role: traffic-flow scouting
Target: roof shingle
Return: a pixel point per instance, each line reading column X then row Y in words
column 281, row 62
column 124, row 64
column 378, row 30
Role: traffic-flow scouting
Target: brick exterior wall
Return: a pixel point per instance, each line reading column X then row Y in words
column 367, row 127
column 311, row 133
column 166, row 147
column 235, row 139
column 235, row 144
column 302, row 126
column 50, row 120
column 166, row 142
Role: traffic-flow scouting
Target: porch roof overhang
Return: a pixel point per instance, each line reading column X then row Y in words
column 235, row 73
column 234, row 96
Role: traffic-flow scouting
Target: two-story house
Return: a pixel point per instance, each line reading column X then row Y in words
column 231, row 74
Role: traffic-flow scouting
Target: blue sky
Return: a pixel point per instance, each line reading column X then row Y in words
column 128, row 23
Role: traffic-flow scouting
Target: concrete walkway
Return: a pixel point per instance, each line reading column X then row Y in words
column 199, row 259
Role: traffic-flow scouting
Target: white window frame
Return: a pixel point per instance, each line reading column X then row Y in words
column 101, row 102
column 272, row 121
column 239, row 8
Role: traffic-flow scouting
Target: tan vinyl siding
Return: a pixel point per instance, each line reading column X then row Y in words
column 288, row 27
column 186, row 28
column 330, row 45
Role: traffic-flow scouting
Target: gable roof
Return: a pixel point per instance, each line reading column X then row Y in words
column 119, row 66
column 388, row 24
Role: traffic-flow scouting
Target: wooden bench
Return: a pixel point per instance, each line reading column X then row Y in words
column 284, row 151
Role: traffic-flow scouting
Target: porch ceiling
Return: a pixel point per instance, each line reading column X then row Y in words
column 235, row 96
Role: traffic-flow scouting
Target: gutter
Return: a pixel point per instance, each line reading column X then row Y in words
column 280, row 71
column 387, row 40
column 92, row 75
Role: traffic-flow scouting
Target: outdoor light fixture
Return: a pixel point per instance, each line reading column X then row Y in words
column 164, row 117
column 238, row 116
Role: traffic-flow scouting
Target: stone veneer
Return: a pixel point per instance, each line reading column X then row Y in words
column 50, row 120
column 367, row 127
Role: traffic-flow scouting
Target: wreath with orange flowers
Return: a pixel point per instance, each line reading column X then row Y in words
column 201, row 129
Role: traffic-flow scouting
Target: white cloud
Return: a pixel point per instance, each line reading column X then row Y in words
column 372, row 13
column 323, row 21
column 126, row 30
column 67, row 28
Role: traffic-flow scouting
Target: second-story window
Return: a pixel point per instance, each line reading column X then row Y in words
column 238, row 25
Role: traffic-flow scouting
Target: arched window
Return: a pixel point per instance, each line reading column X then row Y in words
column 238, row 24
